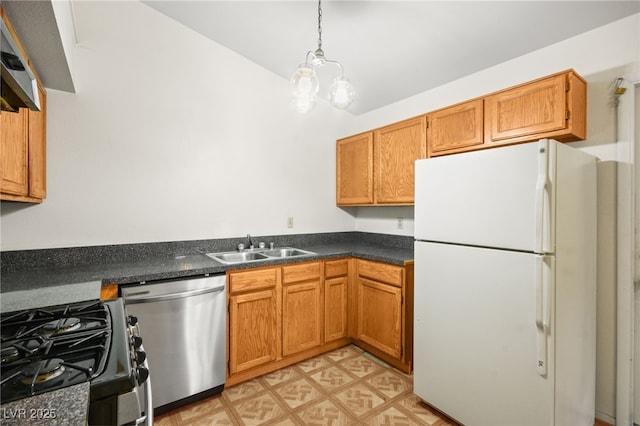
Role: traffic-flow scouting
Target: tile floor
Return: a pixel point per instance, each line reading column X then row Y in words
column 343, row 387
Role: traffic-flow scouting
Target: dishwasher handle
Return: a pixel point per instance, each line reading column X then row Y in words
column 171, row 296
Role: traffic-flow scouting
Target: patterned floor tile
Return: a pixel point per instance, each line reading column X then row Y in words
column 324, row 413
column 359, row 399
column 298, row 392
column 243, row 390
column 258, row 410
column 332, row 378
column 199, row 409
column 344, row 352
column 313, row 364
column 288, row 421
column 222, row 417
column 422, row 411
column 360, row 366
column 280, row 376
column 389, row 383
column 392, row 417
column 344, row 387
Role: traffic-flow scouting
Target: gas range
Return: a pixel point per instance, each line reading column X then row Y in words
column 55, row 347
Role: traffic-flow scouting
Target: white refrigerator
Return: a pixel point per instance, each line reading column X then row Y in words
column 505, row 285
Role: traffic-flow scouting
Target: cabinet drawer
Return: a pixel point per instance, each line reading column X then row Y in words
column 381, row 272
column 302, row 272
column 336, row 268
column 253, row 280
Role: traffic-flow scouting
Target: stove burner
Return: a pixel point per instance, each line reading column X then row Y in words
column 61, row 326
column 42, row 371
column 10, row 354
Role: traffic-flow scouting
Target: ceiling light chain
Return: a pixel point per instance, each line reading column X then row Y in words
column 319, row 27
column 305, row 84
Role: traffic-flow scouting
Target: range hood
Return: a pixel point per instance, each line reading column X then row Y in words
column 19, row 86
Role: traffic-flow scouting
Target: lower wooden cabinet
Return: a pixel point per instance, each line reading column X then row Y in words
column 336, row 283
column 278, row 316
column 253, row 319
column 301, row 308
column 385, row 311
column 379, row 316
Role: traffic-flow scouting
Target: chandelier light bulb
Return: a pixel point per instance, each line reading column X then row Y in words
column 341, row 93
column 304, row 81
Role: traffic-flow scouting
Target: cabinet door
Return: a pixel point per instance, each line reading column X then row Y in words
column 397, row 147
column 379, row 316
column 14, row 152
column 252, row 330
column 456, row 127
column 38, row 148
column 335, row 308
column 301, row 321
column 530, row 109
column 354, row 170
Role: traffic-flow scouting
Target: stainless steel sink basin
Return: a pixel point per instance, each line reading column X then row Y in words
column 286, row 252
column 237, row 256
column 233, row 257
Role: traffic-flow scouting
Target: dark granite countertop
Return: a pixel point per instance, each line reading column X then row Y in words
column 81, row 271
column 67, row 406
column 160, row 266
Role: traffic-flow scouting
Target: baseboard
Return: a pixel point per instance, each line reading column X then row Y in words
column 604, row 420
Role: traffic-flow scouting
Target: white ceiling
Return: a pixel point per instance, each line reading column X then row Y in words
column 390, row 50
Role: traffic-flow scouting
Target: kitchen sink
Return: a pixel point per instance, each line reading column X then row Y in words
column 254, row 255
column 286, row 252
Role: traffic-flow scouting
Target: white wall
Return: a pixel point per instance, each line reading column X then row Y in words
column 171, row 136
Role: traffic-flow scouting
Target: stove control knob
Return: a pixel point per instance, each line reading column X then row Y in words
column 137, row 341
column 143, row 374
column 132, row 320
column 140, row 357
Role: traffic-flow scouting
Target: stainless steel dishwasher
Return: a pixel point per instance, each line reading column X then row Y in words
column 183, row 327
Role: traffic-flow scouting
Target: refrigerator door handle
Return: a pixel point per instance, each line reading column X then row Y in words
column 543, row 288
column 541, row 193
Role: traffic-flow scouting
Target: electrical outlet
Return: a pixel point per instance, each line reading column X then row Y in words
column 400, row 223
column 289, row 222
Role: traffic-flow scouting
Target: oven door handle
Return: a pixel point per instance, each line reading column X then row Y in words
column 147, row 419
column 170, row 296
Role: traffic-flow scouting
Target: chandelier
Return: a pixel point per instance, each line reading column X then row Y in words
column 304, row 82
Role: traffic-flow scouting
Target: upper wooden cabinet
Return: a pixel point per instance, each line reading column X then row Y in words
column 354, row 170
column 551, row 107
column 23, row 150
column 455, row 127
column 397, row 147
column 554, row 107
column 378, row 167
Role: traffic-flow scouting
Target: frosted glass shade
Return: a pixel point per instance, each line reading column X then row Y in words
column 341, row 93
column 304, row 82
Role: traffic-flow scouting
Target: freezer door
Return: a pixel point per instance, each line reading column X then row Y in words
column 479, row 320
column 499, row 198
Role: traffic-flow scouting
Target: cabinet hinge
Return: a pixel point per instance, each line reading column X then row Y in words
column 427, row 124
column 228, row 306
column 566, row 86
column 566, row 115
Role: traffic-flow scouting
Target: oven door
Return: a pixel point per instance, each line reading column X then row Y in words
column 121, row 395
column 136, row 407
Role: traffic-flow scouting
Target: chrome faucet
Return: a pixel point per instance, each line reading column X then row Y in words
column 250, row 242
